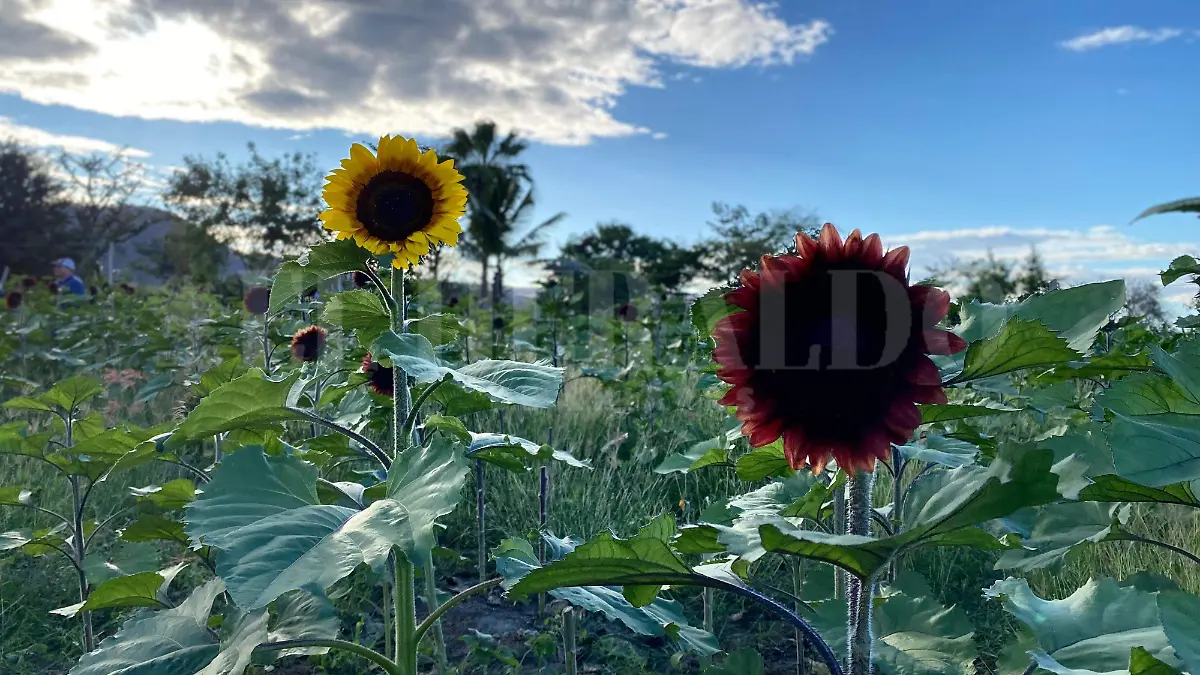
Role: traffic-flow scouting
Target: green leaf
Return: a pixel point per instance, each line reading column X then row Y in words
column 1188, row 205
column 940, row 450
column 144, row 589
column 566, row 578
column 1074, row 314
column 359, row 311
column 1020, row 344
column 222, row 373
column 705, row 453
column 1181, row 266
column 1142, row 662
column 155, row 643
column 252, row 401
column 27, row 403
column 1180, row 614
column 449, row 425
column 1092, row 630
column 763, row 462
column 169, row 496
column 237, row 646
column 710, row 308
column 426, row 483
column 439, row 329
column 949, row 412
column 535, row 385
column 1061, row 529
column 1110, row 488
column 274, row 536
column 518, row 454
column 17, row 496
column 72, row 392
column 941, row 510
column 745, row 661
column 315, row 265
column 151, row 527
column 303, row 615
column 124, row 558
column 1156, row 450
column 758, row 507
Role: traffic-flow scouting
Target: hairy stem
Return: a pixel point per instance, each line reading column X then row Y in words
column 859, row 591
column 78, row 540
column 569, row 640
column 372, row 449
column 1154, row 542
column 436, row 614
column 839, row 527
column 481, row 518
column 439, row 640
column 404, row 595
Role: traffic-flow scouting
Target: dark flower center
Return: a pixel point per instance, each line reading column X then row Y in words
column 394, row 205
column 832, row 349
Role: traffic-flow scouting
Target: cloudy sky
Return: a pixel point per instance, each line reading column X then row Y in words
column 954, row 127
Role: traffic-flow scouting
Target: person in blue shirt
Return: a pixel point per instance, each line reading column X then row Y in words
column 68, row 281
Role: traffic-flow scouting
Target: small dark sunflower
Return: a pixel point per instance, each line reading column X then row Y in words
column 627, row 313
column 361, row 280
column 93, row 290
column 13, row 299
column 498, row 323
column 380, row 376
column 52, row 285
column 128, row 288
column 835, row 369
column 308, row 343
column 257, row 300
column 452, row 301
column 29, row 282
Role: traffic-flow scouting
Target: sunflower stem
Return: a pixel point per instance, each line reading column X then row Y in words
column 404, row 595
column 859, row 590
column 839, row 527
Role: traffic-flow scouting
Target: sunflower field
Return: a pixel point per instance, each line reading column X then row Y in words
column 824, row 467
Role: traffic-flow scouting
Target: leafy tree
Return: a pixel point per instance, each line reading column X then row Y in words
column 1033, row 278
column 484, row 159
column 741, row 238
column 102, row 189
column 33, row 218
column 1142, row 300
column 262, row 208
column 615, row 246
column 186, row 252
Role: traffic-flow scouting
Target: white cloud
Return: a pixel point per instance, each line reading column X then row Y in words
column 40, row 138
column 551, row 69
column 1119, row 35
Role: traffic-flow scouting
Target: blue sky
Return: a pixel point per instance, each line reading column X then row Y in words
column 952, row 127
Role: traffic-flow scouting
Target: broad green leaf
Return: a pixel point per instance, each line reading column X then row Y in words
column 936, row 449
column 274, row 536
column 222, row 373
column 1188, row 205
column 1156, row 450
column 1060, row 529
column 95, row 456
column 535, row 385
column 815, row 505
column 949, row 412
column 123, row 559
column 517, row 561
column 1073, row 314
column 1020, row 344
column 439, row 329
column 457, row 401
column 152, row 527
column 169, row 496
column 447, row 424
column 426, row 483
column 763, row 462
column 1148, row 394
column 914, row 634
column 761, row 506
column 156, row 643
column 745, row 661
column 1179, row 267
column 315, row 265
column 1180, row 614
column 1142, row 662
column 251, row 401
column 237, row 646
column 144, row 589
column 303, row 615
column 710, row 308
column 360, row 311
column 517, row 454
column 941, row 510
column 1110, row 488
column 1092, row 630
column 699, row 455
column 154, row 386
column 17, row 496
column 27, row 403
column 72, row 392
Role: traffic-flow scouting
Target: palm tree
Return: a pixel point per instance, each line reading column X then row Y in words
column 500, row 209
column 483, row 158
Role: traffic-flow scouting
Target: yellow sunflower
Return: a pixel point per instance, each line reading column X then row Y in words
column 401, row 201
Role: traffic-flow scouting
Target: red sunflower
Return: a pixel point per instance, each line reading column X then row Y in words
column 380, row 376
column 830, row 351
column 257, row 300
column 308, row 343
column 13, row 299
column 627, row 312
